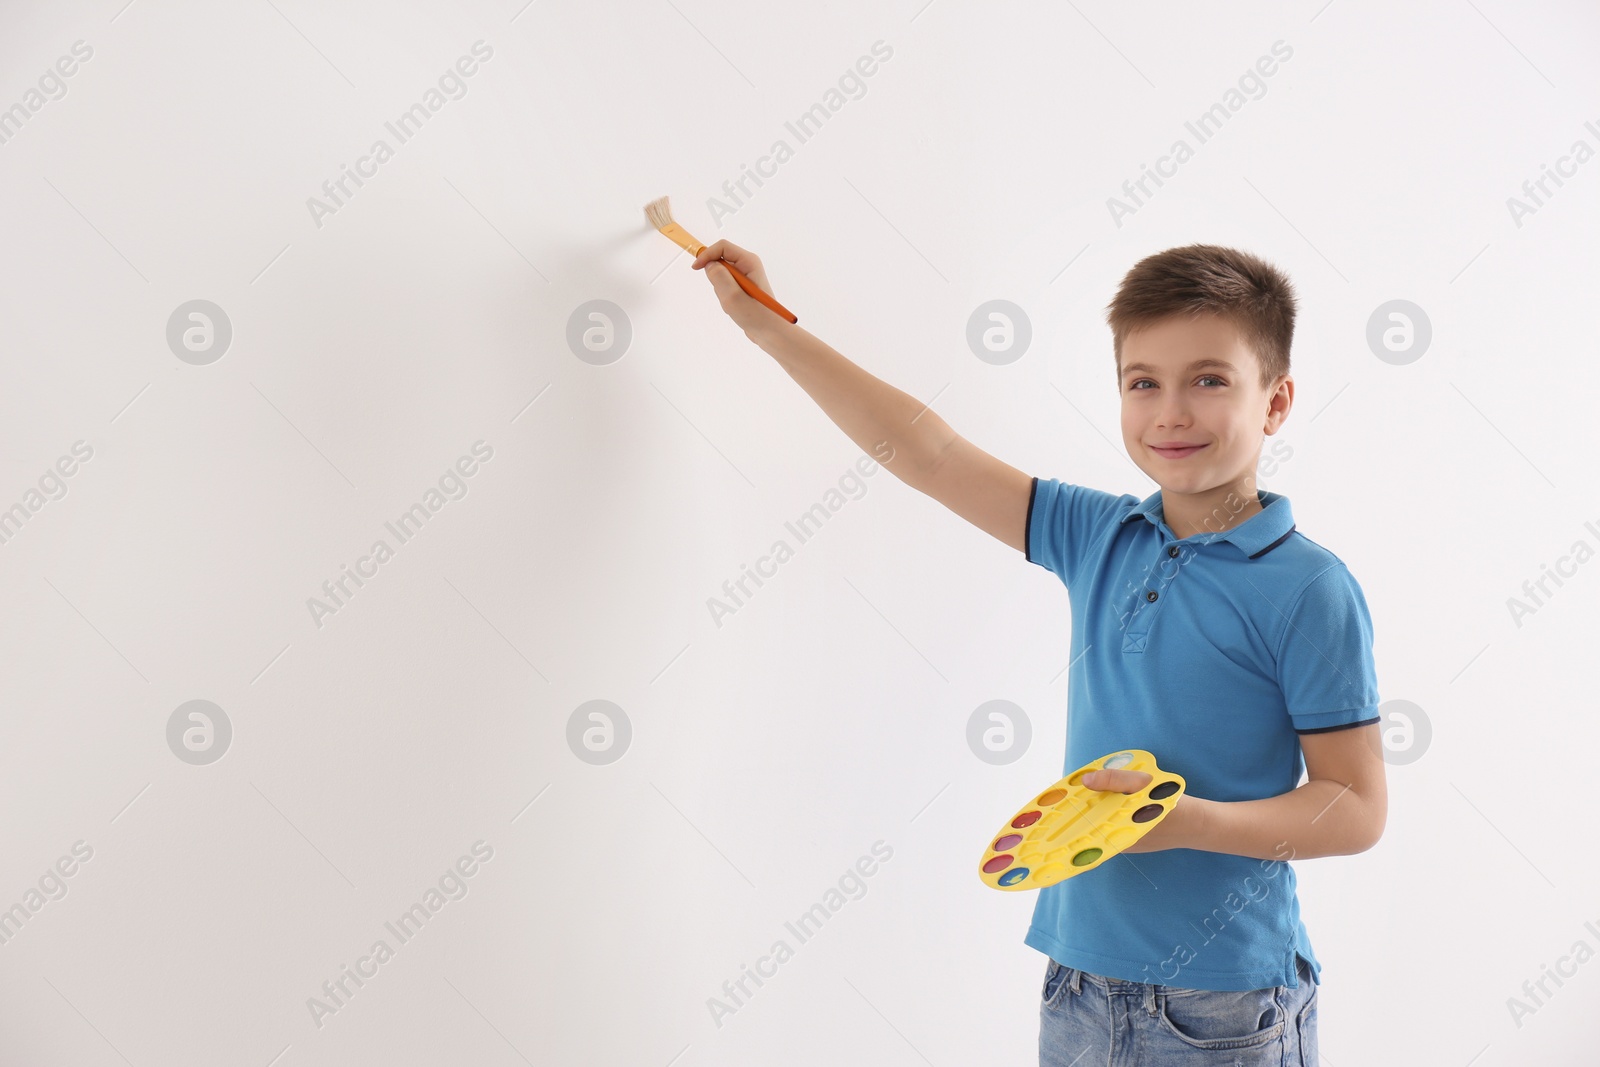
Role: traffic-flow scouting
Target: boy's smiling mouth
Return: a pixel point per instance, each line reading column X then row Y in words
column 1175, row 450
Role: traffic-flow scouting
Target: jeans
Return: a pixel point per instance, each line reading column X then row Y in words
column 1086, row 1020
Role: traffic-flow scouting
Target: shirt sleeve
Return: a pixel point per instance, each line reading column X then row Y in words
column 1065, row 521
column 1325, row 665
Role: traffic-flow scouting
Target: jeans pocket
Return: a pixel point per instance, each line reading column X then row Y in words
column 1055, row 979
column 1225, row 1019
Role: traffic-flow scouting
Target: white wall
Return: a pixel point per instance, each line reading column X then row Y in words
column 373, row 346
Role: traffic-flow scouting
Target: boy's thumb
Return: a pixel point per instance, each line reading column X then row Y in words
column 1116, row 781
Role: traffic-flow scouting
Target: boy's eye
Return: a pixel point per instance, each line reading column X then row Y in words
column 1143, row 381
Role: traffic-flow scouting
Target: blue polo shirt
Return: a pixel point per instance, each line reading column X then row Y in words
column 1213, row 652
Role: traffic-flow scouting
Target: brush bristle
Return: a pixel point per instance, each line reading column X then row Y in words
column 659, row 212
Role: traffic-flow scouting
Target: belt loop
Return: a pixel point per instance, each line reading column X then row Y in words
column 1076, row 986
column 1150, row 998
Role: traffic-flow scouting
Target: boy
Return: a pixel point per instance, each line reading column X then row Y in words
column 1205, row 629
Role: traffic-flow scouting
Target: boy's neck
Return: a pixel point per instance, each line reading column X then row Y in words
column 1214, row 511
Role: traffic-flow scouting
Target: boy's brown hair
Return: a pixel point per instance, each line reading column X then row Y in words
column 1244, row 289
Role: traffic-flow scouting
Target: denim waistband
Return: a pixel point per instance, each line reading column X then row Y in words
column 1076, row 980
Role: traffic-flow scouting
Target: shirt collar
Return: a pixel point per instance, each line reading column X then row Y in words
column 1261, row 531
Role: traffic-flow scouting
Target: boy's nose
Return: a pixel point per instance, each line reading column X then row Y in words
column 1172, row 415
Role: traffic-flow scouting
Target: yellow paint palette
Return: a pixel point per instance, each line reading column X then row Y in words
column 1070, row 828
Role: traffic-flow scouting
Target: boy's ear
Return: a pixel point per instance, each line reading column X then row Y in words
column 1279, row 401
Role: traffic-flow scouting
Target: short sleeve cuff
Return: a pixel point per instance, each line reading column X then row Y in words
column 1027, row 527
column 1321, row 722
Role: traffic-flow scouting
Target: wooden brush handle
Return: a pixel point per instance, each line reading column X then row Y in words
column 756, row 291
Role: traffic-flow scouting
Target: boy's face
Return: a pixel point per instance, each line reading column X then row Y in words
column 1220, row 406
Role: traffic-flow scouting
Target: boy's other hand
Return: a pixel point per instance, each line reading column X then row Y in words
column 1179, row 829
column 744, row 310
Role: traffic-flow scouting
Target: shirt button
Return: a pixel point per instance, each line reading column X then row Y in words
column 1150, row 595
column 1172, row 550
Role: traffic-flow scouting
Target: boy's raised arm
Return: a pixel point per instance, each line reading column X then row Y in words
column 923, row 451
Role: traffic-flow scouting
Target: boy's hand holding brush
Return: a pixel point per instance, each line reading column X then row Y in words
column 743, row 308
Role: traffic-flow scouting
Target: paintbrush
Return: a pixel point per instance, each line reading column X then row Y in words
column 660, row 216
